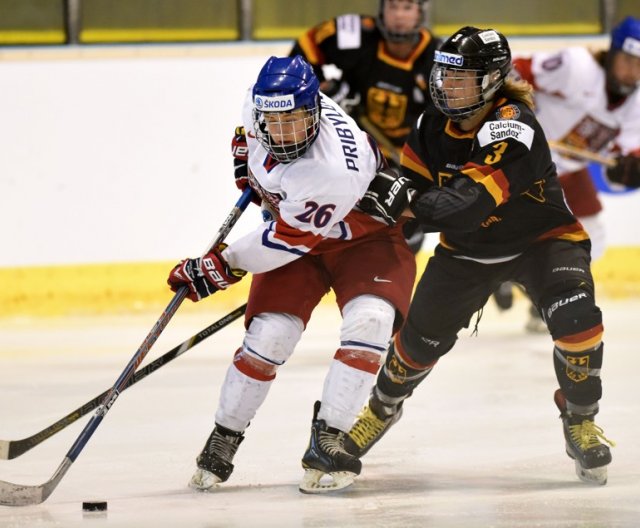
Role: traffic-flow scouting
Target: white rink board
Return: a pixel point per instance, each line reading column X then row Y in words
column 122, row 154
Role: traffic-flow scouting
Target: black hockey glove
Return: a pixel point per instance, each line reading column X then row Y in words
column 626, row 171
column 388, row 196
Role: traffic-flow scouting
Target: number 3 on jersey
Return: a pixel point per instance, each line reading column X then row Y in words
column 318, row 215
column 498, row 151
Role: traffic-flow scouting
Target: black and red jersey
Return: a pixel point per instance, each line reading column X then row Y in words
column 492, row 191
column 392, row 92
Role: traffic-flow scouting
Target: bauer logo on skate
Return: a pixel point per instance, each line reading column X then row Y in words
column 493, row 131
column 277, row 103
column 449, row 58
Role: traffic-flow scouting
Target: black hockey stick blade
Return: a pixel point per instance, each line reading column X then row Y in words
column 10, row 449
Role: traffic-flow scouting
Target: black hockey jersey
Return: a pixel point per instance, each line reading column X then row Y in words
column 491, row 192
column 392, row 92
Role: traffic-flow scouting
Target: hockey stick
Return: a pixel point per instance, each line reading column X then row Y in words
column 23, row 495
column 379, row 136
column 570, row 150
column 10, row 449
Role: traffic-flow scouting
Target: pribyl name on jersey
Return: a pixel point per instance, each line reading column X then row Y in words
column 345, row 134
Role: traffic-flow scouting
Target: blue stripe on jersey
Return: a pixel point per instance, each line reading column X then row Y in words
column 280, row 247
column 343, row 230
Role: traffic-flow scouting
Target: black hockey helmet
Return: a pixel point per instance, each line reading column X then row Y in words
column 394, row 36
column 483, row 51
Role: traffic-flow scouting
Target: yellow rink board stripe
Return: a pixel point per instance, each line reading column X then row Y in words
column 139, row 287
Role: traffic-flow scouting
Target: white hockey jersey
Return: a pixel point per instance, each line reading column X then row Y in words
column 572, row 106
column 313, row 197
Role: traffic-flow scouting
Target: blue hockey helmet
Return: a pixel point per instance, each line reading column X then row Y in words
column 625, row 38
column 286, row 107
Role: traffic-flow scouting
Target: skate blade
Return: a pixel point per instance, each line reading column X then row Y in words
column 315, row 481
column 592, row 476
column 203, row 480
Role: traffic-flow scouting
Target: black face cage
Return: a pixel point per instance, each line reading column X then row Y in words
column 285, row 148
column 450, row 94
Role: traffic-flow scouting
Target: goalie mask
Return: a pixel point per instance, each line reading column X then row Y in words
column 468, row 70
column 410, row 35
column 623, row 58
column 286, row 107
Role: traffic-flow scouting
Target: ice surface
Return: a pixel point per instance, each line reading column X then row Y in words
column 480, row 443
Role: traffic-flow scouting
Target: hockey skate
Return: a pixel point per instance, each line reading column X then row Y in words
column 214, row 463
column 372, row 424
column 583, row 443
column 327, row 466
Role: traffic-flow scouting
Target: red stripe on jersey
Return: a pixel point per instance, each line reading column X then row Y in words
column 573, row 232
column 293, row 236
column 502, row 181
column 358, row 359
column 493, row 180
column 451, row 129
column 410, row 160
column 485, row 170
column 360, row 224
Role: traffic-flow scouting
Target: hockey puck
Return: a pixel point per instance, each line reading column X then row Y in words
column 94, row 506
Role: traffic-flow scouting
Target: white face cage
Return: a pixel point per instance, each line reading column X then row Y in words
column 459, row 94
column 287, row 135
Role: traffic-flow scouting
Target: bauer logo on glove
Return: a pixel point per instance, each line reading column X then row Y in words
column 388, row 196
column 205, row 275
